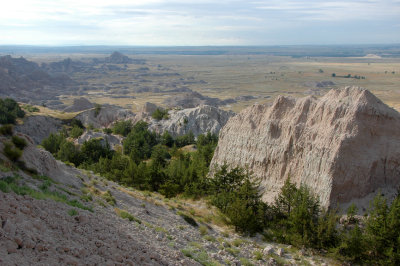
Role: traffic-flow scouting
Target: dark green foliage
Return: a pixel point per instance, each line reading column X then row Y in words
column 184, row 140
column 97, row 109
column 12, row 152
column 159, row 114
column 159, row 155
column 92, row 150
column 68, row 152
column 30, row 108
column 76, row 132
column 6, row 130
column 296, row 216
column 122, row 128
column 167, row 139
column 107, row 130
column 53, row 142
column 139, row 142
column 76, row 123
column 238, row 196
column 10, row 111
column 19, row 142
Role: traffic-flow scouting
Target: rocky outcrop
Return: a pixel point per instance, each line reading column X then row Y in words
column 199, row 120
column 39, row 127
column 104, row 116
column 344, row 146
column 25, row 81
column 45, row 164
column 79, row 104
column 112, row 140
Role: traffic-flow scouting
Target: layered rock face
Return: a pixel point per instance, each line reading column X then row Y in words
column 105, row 116
column 199, row 120
column 344, row 146
column 39, row 127
column 113, row 140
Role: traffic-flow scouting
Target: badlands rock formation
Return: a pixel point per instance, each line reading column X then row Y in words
column 79, row 104
column 45, row 164
column 112, row 140
column 344, row 146
column 39, row 127
column 199, row 120
column 106, row 116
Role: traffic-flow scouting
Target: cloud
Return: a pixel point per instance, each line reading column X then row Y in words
column 190, row 22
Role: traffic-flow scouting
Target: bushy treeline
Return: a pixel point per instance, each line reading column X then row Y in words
column 296, row 218
column 10, row 111
column 149, row 161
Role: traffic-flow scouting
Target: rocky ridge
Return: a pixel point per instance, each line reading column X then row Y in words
column 344, row 146
column 199, row 120
column 104, row 116
column 39, row 127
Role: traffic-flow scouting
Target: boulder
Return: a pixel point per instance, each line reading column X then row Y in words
column 344, row 146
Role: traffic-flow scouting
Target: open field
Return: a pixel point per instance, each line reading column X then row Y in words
column 229, row 75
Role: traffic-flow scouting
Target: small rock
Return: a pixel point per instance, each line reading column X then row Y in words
column 272, row 262
column 268, row 250
column 11, row 247
column 280, row 252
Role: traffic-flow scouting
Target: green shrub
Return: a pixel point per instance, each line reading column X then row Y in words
column 107, row 130
column 12, row 152
column 53, row 142
column 19, row 142
column 109, row 198
column 72, row 212
column 97, row 109
column 122, row 128
column 76, row 132
column 30, row 108
column 6, row 130
column 10, row 111
column 203, row 230
column 126, row 215
column 159, row 114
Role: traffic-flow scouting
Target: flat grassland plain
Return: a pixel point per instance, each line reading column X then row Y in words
column 225, row 76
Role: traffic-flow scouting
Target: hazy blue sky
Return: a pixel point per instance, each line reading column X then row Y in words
column 199, row 22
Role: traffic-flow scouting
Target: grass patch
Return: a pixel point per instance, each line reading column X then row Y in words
column 233, row 251
column 161, row 229
column 126, row 215
column 245, row 262
column 203, row 230
column 200, row 256
column 10, row 184
column 237, row 242
column 72, row 212
column 210, row 238
column 258, row 255
column 109, row 198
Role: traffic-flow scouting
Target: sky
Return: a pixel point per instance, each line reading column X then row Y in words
column 199, row 22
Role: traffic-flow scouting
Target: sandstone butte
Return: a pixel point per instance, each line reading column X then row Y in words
column 345, row 146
